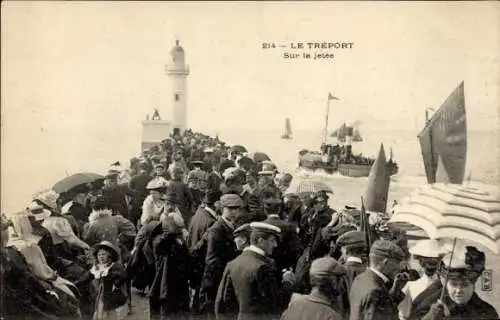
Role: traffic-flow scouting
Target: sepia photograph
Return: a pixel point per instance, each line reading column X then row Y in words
column 251, row 160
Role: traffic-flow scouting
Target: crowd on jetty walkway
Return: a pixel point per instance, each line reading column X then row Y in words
column 208, row 231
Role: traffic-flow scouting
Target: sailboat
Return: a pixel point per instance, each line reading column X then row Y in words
column 443, row 140
column 340, row 158
column 288, row 130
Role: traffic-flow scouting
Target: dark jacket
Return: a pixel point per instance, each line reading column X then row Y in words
column 197, row 244
column 111, row 286
column 139, row 183
column 370, row 299
column 289, row 248
column 353, row 269
column 220, row 250
column 250, row 288
column 214, row 181
column 311, row 307
column 116, row 198
column 171, row 283
column 199, row 224
column 476, row 308
column 184, row 198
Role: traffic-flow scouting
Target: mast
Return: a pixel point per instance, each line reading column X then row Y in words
column 428, row 123
column 325, row 133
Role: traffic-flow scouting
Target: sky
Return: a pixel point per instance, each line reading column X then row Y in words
column 74, row 72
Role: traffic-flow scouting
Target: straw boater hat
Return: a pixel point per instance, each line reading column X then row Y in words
column 108, row 246
column 264, row 227
column 428, row 248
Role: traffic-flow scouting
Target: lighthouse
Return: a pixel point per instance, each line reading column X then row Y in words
column 178, row 72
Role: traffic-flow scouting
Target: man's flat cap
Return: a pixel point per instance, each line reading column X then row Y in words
column 230, row 200
column 326, row 266
column 352, row 239
column 387, row 249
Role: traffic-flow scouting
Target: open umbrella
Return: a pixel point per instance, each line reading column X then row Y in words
column 453, row 211
column 259, row 156
column 309, row 187
column 76, row 180
column 238, row 148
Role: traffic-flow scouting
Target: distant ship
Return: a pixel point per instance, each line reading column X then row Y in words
column 288, row 130
column 340, row 158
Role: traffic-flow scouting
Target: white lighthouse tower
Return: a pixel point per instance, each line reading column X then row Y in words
column 178, row 71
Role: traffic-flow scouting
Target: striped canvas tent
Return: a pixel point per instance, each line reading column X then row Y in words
column 453, row 211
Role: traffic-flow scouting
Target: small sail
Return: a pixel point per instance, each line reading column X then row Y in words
column 377, row 188
column 288, row 130
column 445, row 136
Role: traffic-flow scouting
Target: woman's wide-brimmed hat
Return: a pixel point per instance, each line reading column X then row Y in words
column 112, row 249
column 38, row 211
column 157, row 183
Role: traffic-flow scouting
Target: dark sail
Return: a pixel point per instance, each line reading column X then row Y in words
column 445, row 137
column 340, row 134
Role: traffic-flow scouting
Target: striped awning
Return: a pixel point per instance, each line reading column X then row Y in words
column 310, row 187
column 453, row 211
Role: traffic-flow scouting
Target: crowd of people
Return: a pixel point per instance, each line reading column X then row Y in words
column 205, row 231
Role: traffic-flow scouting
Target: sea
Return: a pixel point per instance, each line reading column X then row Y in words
column 32, row 174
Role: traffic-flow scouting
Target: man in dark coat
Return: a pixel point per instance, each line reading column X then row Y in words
column 202, row 220
column 289, row 247
column 204, row 217
column 169, row 293
column 220, row 250
column 325, row 276
column 312, row 223
column 184, row 197
column 139, row 183
column 292, row 208
column 250, row 287
column 353, row 246
column 116, row 195
column 215, row 177
column 376, row 293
